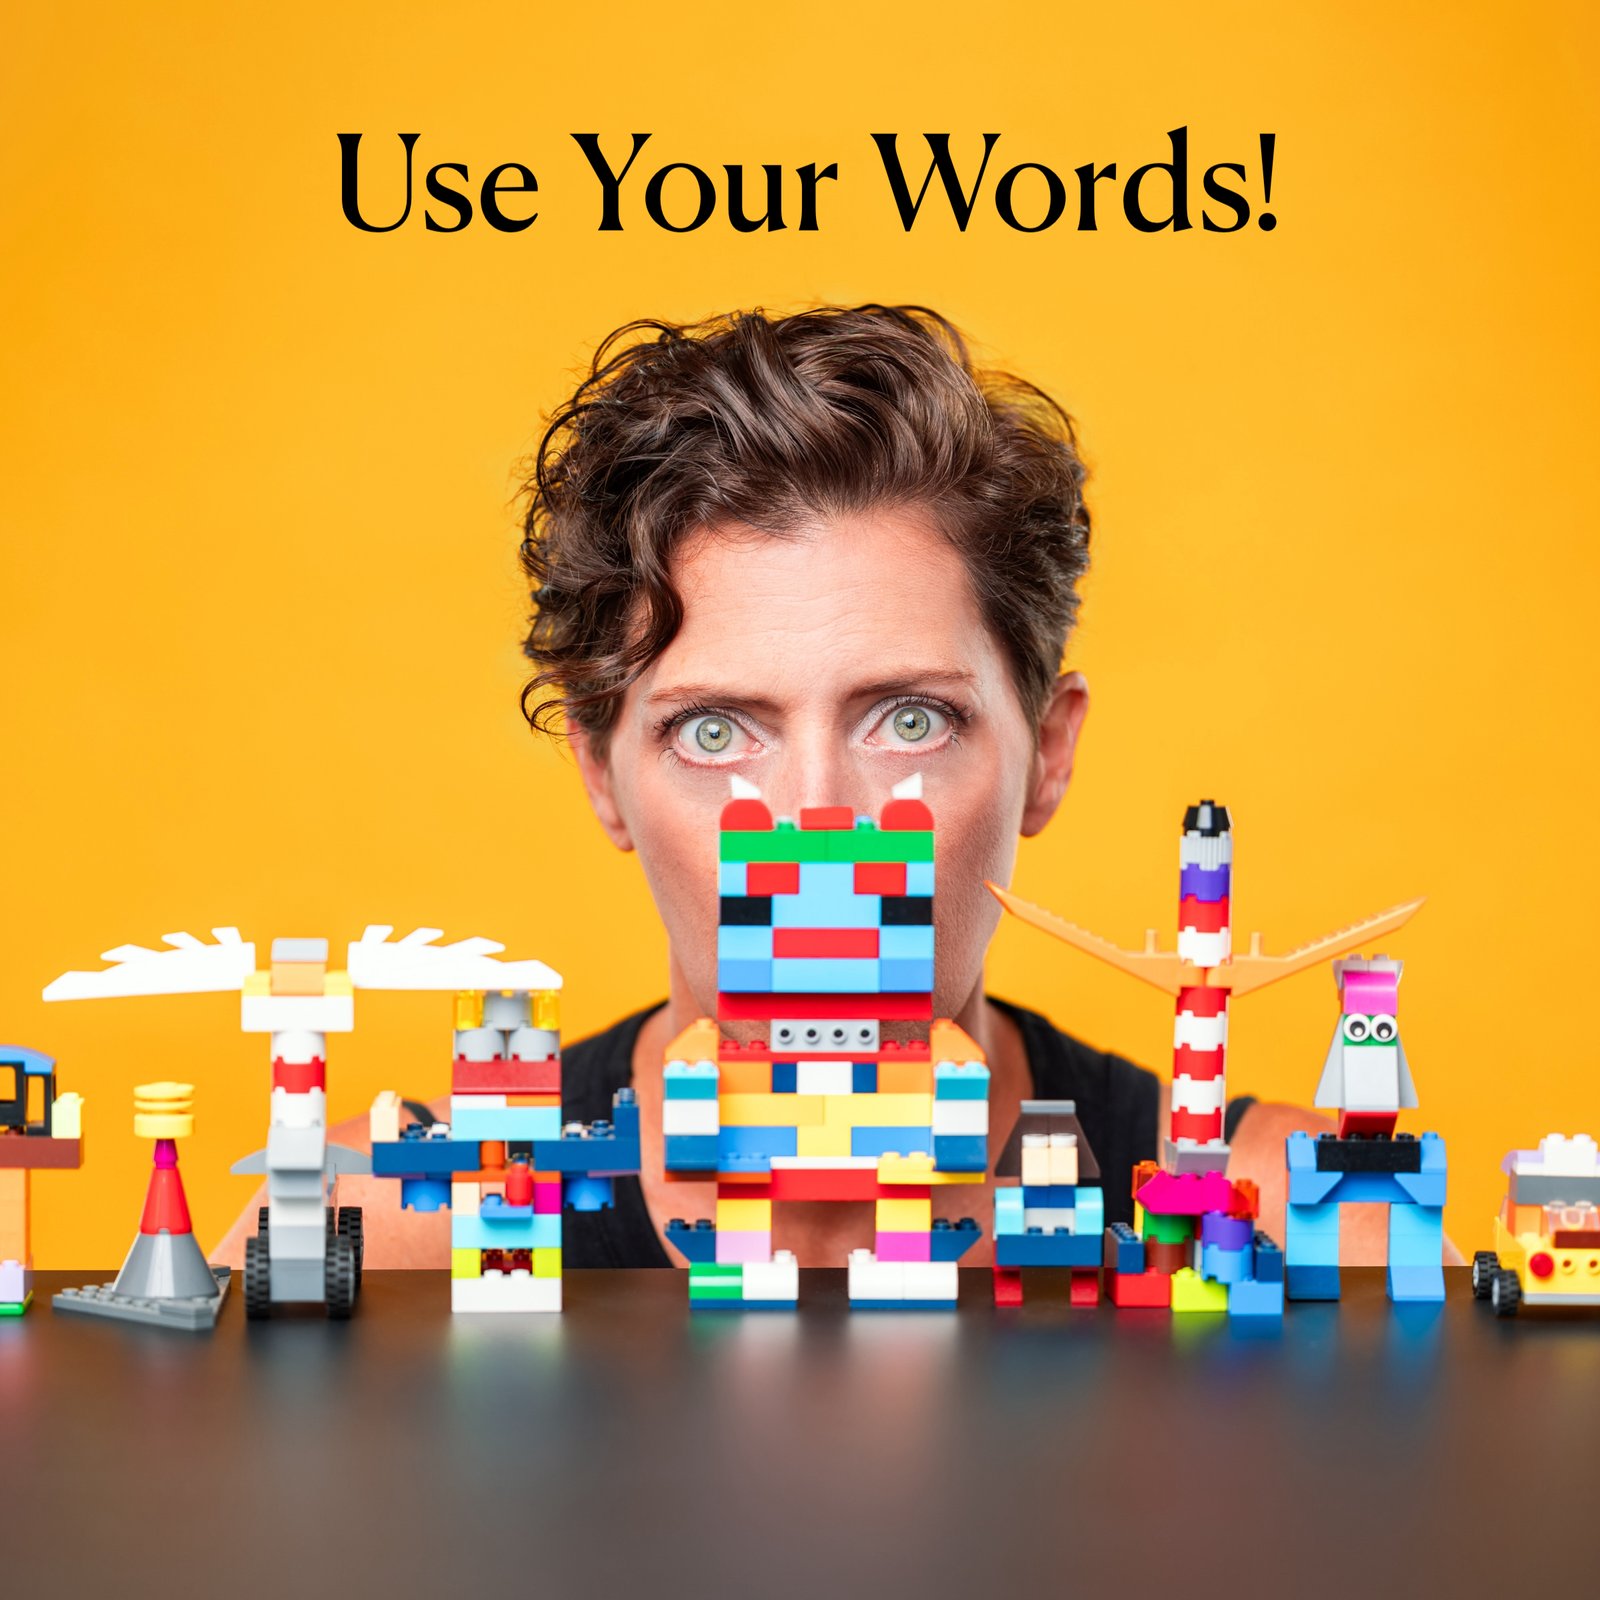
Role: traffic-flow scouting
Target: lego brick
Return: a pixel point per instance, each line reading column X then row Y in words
column 509, row 1293
column 423, row 1157
column 881, row 877
column 748, row 911
column 466, row 1263
column 959, row 1152
column 194, row 1314
column 904, row 911
column 880, row 1141
column 830, row 817
column 897, row 977
column 744, row 1215
column 772, row 1110
column 1367, row 1155
column 905, row 1077
column 906, row 943
column 824, row 944
column 1047, row 1250
column 1124, row 1250
column 825, row 1078
column 841, row 976
column 1267, row 1265
column 1184, row 1194
column 949, row 1242
column 696, row 1243
column 733, row 880
column 1008, row 1212
column 964, row 1081
column 904, row 1246
column 872, row 844
column 864, row 1078
column 1252, row 1298
column 960, row 1117
column 685, row 1080
column 772, row 877
column 744, row 943
column 690, row 1117
column 782, row 844
column 756, row 1140
column 1192, row 1294
column 1224, row 1265
column 22, row 1154
column 877, row 1110
column 893, row 1215
column 884, row 1007
column 1139, row 1290
column 690, row 1152
column 532, row 1232
column 824, row 1140
column 743, row 1245
column 746, row 977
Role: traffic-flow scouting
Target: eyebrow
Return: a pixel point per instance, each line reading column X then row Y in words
column 904, row 682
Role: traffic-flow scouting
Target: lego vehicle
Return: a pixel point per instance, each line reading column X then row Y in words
column 1547, row 1235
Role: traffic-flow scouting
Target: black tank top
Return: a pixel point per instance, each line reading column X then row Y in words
column 1118, row 1105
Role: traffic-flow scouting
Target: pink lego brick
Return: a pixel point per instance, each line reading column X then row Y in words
column 15, row 1282
column 1190, row 1194
column 904, row 1247
column 546, row 1199
column 736, row 1245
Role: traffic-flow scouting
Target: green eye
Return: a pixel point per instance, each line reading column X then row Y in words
column 912, row 723
column 713, row 734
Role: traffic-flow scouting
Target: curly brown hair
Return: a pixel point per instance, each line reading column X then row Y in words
column 777, row 423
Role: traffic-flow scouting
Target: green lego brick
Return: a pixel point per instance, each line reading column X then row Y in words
column 1168, row 1230
column 782, row 844
column 873, row 844
column 13, row 1308
column 701, row 1272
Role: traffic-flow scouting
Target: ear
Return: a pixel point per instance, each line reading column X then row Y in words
column 595, row 771
column 1058, row 746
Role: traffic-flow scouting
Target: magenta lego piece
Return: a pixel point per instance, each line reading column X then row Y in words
column 547, row 1199
column 1187, row 1194
column 904, row 1247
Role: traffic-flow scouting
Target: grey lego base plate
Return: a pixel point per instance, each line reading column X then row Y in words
column 197, row 1314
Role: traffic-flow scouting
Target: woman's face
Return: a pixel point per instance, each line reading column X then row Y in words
column 825, row 666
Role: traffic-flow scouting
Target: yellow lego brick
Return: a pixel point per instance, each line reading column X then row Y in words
column 905, row 1077
column 918, row 1170
column 465, row 1200
column 745, row 1216
column 469, row 1010
column 697, row 1042
column 823, row 1141
column 466, row 1264
column 163, row 1111
column 545, row 1009
column 383, row 1121
column 947, row 1042
column 66, row 1116
column 875, row 1110
column 1191, row 1292
column 533, row 1100
column 772, row 1110
column 547, row 1263
column 904, row 1216
column 745, row 1077
column 1036, row 1166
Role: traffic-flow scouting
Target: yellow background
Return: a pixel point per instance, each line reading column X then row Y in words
column 261, row 612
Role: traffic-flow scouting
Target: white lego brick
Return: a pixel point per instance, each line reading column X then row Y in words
column 464, row 1199
column 66, row 1116
column 299, row 1185
column 190, row 967
column 296, row 1279
column 477, row 1102
column 1200, row 1095
column 301, row 1108
column 507, row 1012
column 823, row 1077
column 777, row 1279
column 1562, row 1157
column 309, row 1013
column 533, row 1044
column 383, row 1121
column 298, row 1228
column 690, row 1116
column 1035, row 1160
column 960, row 1116
column 495, row 1291
column 1210, row 850
column 1204, row 949
column 298, row 1047
column 1371, row 1078
column 376, row 961
column 931, row 1280
column 825, row 1163
column 871, row 1279
column 1049, row 1217
column 1200, row 1033
column 480, row 1044
column 295, row 1149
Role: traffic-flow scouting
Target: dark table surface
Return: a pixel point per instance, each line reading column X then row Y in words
column 1362, row 1450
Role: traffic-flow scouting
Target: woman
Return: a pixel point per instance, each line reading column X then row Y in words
column 821, row 552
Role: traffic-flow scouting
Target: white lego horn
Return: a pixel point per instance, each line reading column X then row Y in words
column 908, row 788
column 742, row 788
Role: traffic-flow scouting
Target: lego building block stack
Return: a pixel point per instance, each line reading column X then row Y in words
column 825, row 935
column 51, row 1138
column 1547, row 1234
column 1055, row 1214
column 1194, row 1245
column 504, row 1163
column 165, row 1279
column 1367, row 1078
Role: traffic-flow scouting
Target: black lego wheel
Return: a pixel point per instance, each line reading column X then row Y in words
column 1505, row 1294
column 350, row 1227
column 1484, row 1266
column 257, row 1278
column 263, row 1217
column 329, row 1221
column 339, row 1279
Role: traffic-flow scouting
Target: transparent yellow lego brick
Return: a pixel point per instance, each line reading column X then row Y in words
column 823, row 1141
column 547, row 1263
column 469, row 1010
column 545, row 1006
column 876, row 1110
column 904, row 1216
column 466, row 1264
column 745, row 1216
column 772, row 1110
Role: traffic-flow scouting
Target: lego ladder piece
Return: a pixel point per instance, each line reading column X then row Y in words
column 165, row 1280
column 53, row 1141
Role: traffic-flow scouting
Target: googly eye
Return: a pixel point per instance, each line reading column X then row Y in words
column 1357, row 1030
column 1384, row 1029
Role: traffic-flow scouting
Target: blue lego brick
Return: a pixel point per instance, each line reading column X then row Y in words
column 1311, row 1236
column 1209, row 884
column 745, row 977
column 696, row 1242
column 785, row 1077
column 863, row 1077
column 1055, row 1195
column 765, row 1142
column 919, row 877
column 493, row 1209
column 423, row 1158
column 34, row 1063
column 902, row 1305
column 1253, row 1297
column 691, row 1080
column 1416, row 1236
column 1124, row 1249
column 505, row 1122
column 950, row 1241
column 884, row 1141
column 732, row 879
column 1412, row 1283
column 827, row 899
column 691, row 1152
column 1090, row 1212
column 1222, row 1265
column 906, row 977
column 581, row 1191
column 960, row 1152
column 425, row 1194
column 611, row 1153
column 1356, row 1188
column 1047, row 1250
column 1008, row 1204
column 906, row 944
column 740, row 943
column 533, row 1233
column 1229, row 1233
column 823, row 975
column 1268, row 1267
column 960, row 1080
column 744, row 1164
column 1312, row 1282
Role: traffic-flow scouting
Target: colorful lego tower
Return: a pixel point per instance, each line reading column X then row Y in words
column 1367, row 1079
column 52, row 1139
column 1195, row 1246
column 825, row 933
column 165, row 1279
column 504, row 1163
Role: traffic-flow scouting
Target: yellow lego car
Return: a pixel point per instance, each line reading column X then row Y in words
column 1547, row 1235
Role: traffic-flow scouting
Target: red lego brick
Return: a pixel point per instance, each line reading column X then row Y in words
column 820, row 1183
column 1085, row 1289
column 906, row 816
column 1167, row 1256
column 880, row 877
column 746, row 816
column 1202, row 1064
column 772, row 877
column 1008, row 1286
column 806, row 1007
column 802, row 942
column 1140, row 1289
column 1201, row 1126
column 1203, row 1002
column 299, row 1077
column 1245, row 1200
column 1204, row 916
column 833, row 818
column 506, row 1077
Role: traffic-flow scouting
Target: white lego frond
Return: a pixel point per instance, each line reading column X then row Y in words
column 742, row 788
column 908, row 788
column 191, row 966
column 375, row 961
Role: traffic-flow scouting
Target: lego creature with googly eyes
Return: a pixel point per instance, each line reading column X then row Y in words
column 1366, row 1076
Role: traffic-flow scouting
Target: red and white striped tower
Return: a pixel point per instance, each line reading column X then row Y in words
column 1200, row 1031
